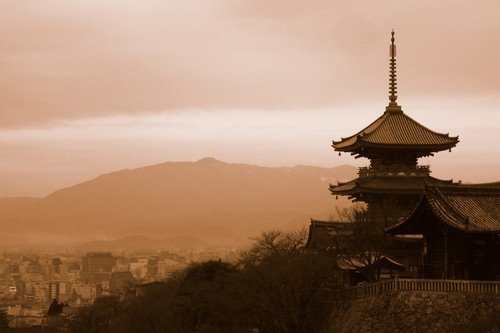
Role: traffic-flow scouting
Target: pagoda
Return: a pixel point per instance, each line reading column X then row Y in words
column 393, row 143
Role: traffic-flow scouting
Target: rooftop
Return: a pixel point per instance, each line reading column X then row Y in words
column 467, row 208
column 394, row 129
column 397, row 183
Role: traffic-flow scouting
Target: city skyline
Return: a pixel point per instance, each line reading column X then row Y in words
column 90, row 88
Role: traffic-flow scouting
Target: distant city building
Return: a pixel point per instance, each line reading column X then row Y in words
column 53, row 292
column 168, row 267
column 97, row 266
column 88, row 292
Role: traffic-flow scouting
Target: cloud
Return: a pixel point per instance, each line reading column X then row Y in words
column 78, row 59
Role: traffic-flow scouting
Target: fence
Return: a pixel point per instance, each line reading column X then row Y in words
column 440, row 286
column 491, row 287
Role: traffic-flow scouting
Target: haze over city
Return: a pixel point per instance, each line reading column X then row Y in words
column 249, row 166
column 91, row 87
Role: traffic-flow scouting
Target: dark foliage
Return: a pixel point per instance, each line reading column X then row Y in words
column 490, row 324
column 103, row 316
column 291, row 293
column 282, row 291
column 4, row 321
column 55, row 308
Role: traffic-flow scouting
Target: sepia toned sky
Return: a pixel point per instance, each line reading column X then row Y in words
column 88, row 87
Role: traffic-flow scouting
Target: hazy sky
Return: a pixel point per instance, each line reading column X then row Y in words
column 88, row 87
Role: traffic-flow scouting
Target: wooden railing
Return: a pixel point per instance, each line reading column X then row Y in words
column 491, row 287
column 422, row 285
column 366, row 290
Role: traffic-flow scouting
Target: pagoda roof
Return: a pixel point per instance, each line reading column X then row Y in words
column 395, row 129
column 383, row 184
column 467, row 208
column 322, row 233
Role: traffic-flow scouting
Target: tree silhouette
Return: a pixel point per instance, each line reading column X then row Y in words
column 274, row 243
column 283, row 290
column 366, row 240
column 4, row 321
column 55, row 308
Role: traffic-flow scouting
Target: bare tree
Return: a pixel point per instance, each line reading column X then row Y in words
column 274, row 243
column 366, row 239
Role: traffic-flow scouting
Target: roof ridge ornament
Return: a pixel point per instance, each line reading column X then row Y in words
column 393, row 86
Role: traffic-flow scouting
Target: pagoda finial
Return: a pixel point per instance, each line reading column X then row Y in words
column 393, row 86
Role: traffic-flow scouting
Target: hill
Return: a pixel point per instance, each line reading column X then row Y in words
column 211, row 200
column 138, row 243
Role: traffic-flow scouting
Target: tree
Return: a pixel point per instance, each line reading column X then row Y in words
column 274, row 243
column 279, row 288
column 4, row 321
column 286, row 288
column 198, row 299
column 201, row 288
column 55, row 308
column 291, row 293
column 102, row 316
column 366, row 240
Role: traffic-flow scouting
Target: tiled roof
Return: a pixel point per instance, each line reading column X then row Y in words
column 405, row 184
column 469, row 208
column 395, row 128
column 322, row 233
column 349, row 262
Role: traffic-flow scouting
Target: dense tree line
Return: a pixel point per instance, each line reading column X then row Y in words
column 276, row 287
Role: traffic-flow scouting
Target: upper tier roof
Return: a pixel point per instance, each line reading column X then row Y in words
column 395, row 130
column 468, row 208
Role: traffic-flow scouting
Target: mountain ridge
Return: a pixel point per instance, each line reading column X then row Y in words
column 208, row 199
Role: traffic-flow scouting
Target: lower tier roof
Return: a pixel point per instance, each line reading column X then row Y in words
column 384, row 184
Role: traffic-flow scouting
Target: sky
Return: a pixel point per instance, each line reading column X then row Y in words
column 90, row 87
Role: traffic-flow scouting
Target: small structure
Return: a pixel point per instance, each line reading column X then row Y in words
column 322, row 234
column 353, row 270
column 404, row 252
column 461, row 227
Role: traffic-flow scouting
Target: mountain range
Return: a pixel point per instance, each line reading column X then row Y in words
column 209, row 200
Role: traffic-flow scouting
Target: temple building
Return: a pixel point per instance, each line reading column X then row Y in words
column 461, row 228
column 393, row 143
column 445, row 229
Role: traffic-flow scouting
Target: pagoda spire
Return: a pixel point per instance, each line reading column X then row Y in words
column 393, row 85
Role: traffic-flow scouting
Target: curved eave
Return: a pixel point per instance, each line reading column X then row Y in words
column 455, row 218
column 398, row 228
column 359, row 144
column 396, row 130
column 444, row 211
column 357, row 189
column 346, row 188
column 350, row 140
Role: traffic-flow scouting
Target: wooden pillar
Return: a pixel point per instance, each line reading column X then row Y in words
column 446, row 260
column 468, row 255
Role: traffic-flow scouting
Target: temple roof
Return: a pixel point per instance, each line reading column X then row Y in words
column 322, row 233
column 402, row 184
column 349, row 262
column 394, row 129
column 468, row 208
column 326, row 235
